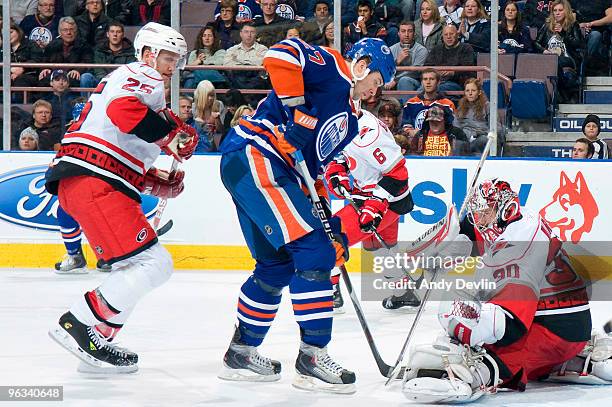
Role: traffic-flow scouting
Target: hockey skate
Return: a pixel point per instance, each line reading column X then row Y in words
column 338, row 300
column 72, row 264
column 103, row 267
column 592, row 366
column 316, row 371
column 89, row 346
column 408, row 299
column 244, row 363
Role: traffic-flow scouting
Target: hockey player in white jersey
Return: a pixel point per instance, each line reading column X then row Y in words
column 380, row 190
column 535, row 323
column 104, row 162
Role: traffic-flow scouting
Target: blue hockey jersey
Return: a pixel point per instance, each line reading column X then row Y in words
column 317, row 77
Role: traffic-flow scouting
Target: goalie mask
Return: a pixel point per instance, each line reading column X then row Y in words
column 493, row 203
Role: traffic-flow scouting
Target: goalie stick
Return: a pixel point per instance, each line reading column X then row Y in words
column 396, row 368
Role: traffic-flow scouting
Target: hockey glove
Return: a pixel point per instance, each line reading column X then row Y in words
column 336, row 176
column 164, row 184
column 340, row 241
column 472, row 323
column 299, row 129
column 182, row 140
column 372, row 212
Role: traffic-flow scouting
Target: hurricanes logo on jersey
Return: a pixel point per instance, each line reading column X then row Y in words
column 331, row 135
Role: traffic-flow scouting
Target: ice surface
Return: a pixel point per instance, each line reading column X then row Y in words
column 181, row 331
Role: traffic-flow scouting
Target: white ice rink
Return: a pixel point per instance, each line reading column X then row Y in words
column 181, row 332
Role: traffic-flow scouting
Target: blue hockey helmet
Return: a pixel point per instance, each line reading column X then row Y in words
column 380, row 56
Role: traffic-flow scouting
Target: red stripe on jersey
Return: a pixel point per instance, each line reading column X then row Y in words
column 520, row 300
column 105, row 143
column 399, row 172
column 126, row 112
column 287, row 79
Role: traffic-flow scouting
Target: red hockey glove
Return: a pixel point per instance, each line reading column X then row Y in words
column 182, row 140
column 164, row 184
column 371, row 213
column 336, row 176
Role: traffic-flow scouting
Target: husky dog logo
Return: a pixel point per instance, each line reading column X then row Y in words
column 572, row 209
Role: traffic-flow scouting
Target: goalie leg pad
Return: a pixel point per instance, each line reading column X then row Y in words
column 432, row 390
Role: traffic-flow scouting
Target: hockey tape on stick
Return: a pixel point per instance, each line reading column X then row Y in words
column 396, row 368
column 161, row 206
column 165, row 229
column 384, row 368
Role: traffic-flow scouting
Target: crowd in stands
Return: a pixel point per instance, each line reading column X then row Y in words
column 421, row 33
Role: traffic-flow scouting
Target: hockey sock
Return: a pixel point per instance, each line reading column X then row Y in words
column 71, row 231
column 311, row 295
column 109, row 329
column 257, row 306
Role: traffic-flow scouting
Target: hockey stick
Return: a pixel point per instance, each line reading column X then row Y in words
column 161, row 206
column 384, row 368
column 396, row 368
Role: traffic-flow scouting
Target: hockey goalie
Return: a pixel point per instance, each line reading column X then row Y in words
column 534, row 325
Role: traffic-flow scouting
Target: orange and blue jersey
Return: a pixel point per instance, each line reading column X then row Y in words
column 317, row 77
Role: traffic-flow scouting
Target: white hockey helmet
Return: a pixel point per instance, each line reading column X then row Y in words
column 161, row 37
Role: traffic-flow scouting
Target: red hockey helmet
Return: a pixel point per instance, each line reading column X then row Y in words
column 494, row 197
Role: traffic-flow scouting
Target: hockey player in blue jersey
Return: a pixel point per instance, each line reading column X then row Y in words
column 313, row 107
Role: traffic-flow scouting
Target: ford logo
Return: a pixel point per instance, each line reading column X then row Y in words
column 24, row 200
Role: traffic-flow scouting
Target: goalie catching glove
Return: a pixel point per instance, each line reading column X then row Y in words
column 163, row 184
column 182, row 140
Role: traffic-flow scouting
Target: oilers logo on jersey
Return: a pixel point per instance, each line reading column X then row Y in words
column 42, row 35
column 331, row 134
column 285, row 11
column 244, row 12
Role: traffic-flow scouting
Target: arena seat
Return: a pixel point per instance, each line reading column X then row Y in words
column 197, row 12
column 533, row 90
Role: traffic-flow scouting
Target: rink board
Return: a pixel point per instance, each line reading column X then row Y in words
column 206, row 233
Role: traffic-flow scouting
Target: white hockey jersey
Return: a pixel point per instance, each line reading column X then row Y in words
column 371, row 155
column 534, row 277
column 103, row 142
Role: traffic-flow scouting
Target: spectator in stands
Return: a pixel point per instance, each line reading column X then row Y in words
column 407, row 52
column 249, row 9
column 208, row 114
column 271, row 27
column 242, row 111
column 314, row 28
column 472, row 115
column 428, row 28
column 119, row 10
column 185, row 109
column 389, row 113
column 591, row 127
column 583, row 149
column 535, row 12
column 42, row 27
column 364, row 26
column 475, row 27
column 414, row 109
column 514, row 36
column 438, row 137
column 22, row 8
column 206, row 51
column 451, row 53
column 115, row 50
column 373, row 103
column 92, row 23
column 232, row 100
column 293, row 32
column 451, row 12
column 21, row 51
column 248, row 52
column 586, row 12
column 561, row 35
column 389, row 16
column 226, row 27
column 60, row 98
column 49, row 133
column 68, row 48
column 146, row 11
column 328, row 35
column 28, row 140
